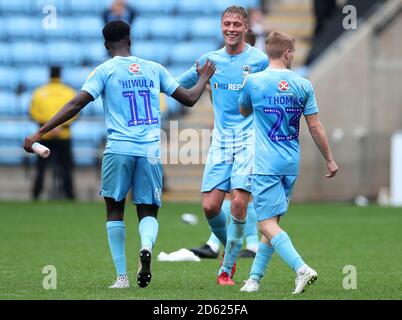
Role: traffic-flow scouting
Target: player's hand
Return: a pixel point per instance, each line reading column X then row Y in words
column 332, row 168
column 29, row 141
column 207, row 70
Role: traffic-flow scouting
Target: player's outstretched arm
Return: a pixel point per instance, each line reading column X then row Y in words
column 189, row 97
column 69, row 110
column 320, row 138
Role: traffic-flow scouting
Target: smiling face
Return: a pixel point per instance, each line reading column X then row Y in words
column 234, row 28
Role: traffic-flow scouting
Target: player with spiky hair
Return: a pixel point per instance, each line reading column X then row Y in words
column 228, row 165
column 130, row 89
column 279, row 97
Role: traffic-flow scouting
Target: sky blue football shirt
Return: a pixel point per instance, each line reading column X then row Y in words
column 279, row 97
column 130, row 88
column 226, row 84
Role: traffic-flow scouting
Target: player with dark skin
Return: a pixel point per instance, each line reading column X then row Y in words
column 188, row 97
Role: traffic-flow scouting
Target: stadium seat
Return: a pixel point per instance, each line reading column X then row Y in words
column 27, row 52
column 63, row 52
column 5, row 55
column 8, row 103
column 34, row 76
column 26, row 27
column 151, row 50
column 206, row 27
column 149, row 7
column 9, row 78
column 94, row 53
column 75, row 76
column 11, row 141
column 13, row 7
column 88, row 27
column 93, row 109
column 86, row 139
column 188, row 52
column 86, row 7
column 194, row 7
column 168, row 28
column 24, row 104
column 221, row 5
column 3, row 30
column 177, row 69
column 140, row 28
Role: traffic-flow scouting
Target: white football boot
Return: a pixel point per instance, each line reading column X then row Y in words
column 304, row 277
column 251, row 285
column 121, row 283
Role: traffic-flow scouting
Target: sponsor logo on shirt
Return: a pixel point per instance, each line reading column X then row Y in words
column 283, row 85
column 134, row 68
column 246, row 70
column 228, row 86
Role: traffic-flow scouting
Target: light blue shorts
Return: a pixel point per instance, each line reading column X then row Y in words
column 228, row 168
column 271, row 194
column 122, row 172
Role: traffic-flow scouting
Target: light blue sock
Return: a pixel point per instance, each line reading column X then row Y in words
column 234, row 243
column 213, row 240
column 148, row 229
column 217, row 225
column 251, row 231
column 116, row 233
column 261, row 260
column 282, row 244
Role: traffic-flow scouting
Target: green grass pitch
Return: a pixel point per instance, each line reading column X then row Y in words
column 72, row 237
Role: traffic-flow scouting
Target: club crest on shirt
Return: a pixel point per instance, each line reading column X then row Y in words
column 134, row 68
column 283, row 85
column 246, row 70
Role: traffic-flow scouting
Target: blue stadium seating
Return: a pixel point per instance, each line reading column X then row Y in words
column 24, row 104
column 151, row 50
column 5, row 55
column 63, row 52
column 149, row 7
column 206, row 27
column 75, row 76
column 140, row 27
column 8, row 78
column 194, row 7
column 23, row 27
column 221, row 5
column 11, row 152
column 12, row 7
column 89, row 27
column 86, row 7
column 188, row 52
column 93, row 109
column 8, row 103
column 33, row 76
column 94, row 53
column 86, row 139
column 168, row 28
column 27, row 52
column 177, row 69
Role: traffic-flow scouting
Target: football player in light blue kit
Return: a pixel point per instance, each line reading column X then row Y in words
column 278, row 98
column 228, row 164
column 130, row 89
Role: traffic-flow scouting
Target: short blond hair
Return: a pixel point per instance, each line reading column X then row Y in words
column 277, row 43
